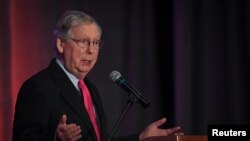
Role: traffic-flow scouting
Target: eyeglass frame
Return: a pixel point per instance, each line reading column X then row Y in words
column 97, row 44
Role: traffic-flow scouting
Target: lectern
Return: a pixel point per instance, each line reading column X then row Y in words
column 178, row 138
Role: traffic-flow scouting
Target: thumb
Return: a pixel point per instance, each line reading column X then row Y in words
column 160, row 122
column 63, row 119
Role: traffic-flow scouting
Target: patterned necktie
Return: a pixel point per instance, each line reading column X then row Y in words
column 89, row 107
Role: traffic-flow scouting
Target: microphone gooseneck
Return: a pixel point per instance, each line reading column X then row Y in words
column 117, row 78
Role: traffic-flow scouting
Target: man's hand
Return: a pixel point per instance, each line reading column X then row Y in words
column 154, row 130
column 68, row 132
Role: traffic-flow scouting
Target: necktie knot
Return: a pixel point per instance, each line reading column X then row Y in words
column 81, row 84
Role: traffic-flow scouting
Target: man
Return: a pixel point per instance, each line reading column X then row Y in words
column 51, row 106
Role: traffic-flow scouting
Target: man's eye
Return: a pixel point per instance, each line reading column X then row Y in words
column 84, row 41
column 96, row 42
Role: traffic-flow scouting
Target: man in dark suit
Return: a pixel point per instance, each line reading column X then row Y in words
column 50, row 106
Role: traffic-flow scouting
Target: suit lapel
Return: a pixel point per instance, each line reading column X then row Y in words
column 75, row 101
column 71, row 95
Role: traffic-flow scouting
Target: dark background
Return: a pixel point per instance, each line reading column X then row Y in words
column 190, row 58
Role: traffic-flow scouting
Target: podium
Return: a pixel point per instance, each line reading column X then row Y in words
column 178, row 138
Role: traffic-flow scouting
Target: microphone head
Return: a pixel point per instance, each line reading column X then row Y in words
column 114, row 75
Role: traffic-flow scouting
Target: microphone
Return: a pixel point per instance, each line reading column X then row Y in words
column 117, row 78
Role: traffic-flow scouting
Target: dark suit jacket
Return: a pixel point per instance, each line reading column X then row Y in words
column 44, row 98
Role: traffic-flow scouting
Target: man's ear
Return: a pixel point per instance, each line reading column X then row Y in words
column 59, row 45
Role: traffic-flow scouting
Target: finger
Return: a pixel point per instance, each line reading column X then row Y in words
column 63, row 119
column 77, row 137
column 72, row 131
column 174, row 129
column 76, row 131
column 179, row 133
column 69, row 127
column 160, row 122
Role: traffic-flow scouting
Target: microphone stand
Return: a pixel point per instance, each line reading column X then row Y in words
column 130, row 102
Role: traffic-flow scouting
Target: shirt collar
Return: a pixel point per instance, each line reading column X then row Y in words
column 72, row 78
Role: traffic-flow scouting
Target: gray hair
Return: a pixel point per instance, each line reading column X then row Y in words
column 71, row 19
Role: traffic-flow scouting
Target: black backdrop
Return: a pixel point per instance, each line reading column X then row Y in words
column 190, row 58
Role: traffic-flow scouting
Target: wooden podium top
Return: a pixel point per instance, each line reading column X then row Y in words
column 178, row 138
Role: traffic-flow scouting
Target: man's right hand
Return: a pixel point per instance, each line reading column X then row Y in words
column 68, row 132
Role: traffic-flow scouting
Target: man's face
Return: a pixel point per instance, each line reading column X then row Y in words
column 79, row 60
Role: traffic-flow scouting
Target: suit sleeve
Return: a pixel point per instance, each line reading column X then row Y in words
column 31, row 115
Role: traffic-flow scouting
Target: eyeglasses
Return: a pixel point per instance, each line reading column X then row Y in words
column 84, row 43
